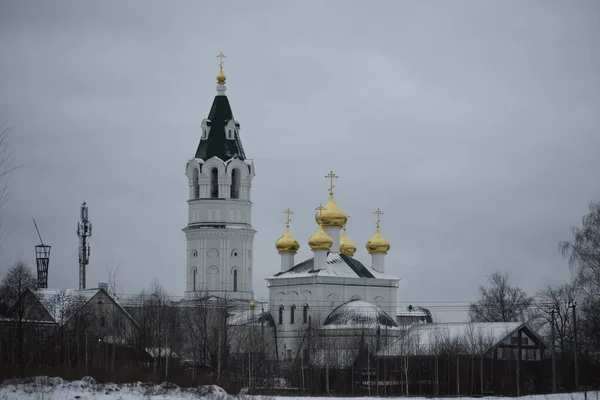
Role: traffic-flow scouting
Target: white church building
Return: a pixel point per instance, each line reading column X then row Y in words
column 332, row 291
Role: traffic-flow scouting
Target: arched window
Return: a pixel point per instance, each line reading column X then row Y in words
column 195, row 184
column 235, row 184
column 305, row 314
column 280, row 315
column 235, row 280
column 292, row 310
column 214, row 183
column 194, row 277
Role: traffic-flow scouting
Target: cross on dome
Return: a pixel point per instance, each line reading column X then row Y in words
column 221, row 76
column 288, row 212
column 378, row 212
column 320, row 209
column 331, row 177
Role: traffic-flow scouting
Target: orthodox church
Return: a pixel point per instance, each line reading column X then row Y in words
column 332, row 291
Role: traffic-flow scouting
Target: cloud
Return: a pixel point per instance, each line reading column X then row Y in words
column 473, row 125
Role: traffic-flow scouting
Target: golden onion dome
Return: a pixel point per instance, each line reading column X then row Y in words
column 320, row 240
column 378, row 244
column 287, row 243
column 252, row 303
column 331, row 215
column 347, row 246
column 221, row 77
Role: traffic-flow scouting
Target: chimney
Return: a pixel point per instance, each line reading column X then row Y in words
column 103, row 285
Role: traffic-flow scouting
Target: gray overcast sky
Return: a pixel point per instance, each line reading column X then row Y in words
column 474, row 125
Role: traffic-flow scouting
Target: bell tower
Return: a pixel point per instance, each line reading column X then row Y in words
column 219, row 233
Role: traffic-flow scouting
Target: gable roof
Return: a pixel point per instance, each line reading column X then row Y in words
column 62, row 304
column 425, row 338
column 337, row 265
column 217, row 145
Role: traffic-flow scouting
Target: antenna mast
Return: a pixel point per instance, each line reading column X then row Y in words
column 42, row 259
column 84, row 231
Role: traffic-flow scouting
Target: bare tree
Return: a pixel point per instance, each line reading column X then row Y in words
column 560, row 299
column 18, row 280
column 500, row 302
column 583, row 254
column 115, row 289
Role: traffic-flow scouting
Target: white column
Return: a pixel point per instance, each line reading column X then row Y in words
column 378, row 262
column 287, row 261
column 320, row 261
column 334, row 233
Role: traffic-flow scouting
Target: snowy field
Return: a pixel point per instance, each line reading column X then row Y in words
column 43, row 388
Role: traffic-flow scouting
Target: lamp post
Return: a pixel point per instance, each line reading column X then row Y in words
column 252, row 306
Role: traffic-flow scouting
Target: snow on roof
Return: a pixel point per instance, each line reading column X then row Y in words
column 249, row 317
column 411, row 311
column 62, row 304
column 337, row 265
column 358, row 313
column 425, row 338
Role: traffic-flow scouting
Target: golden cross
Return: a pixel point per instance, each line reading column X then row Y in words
column 331, row 177
column 378, row 212
column 320, row 208
column 288, row 212
column 221, row 56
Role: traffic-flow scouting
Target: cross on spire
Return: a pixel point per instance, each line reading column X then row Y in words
column 378, row 212
column 331, row 177
column 288, row 212
column 221, row 56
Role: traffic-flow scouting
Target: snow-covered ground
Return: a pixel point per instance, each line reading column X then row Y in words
column 43, row 388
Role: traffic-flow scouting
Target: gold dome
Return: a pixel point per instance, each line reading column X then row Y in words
column 320, row 240
column 252, row 303
column 331, row 215
column 378, row 244
column 347, row 246
column 221, row 77
column 287, row 243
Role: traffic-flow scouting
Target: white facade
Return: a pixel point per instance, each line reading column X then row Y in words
column 219, row 232
column 319, row 290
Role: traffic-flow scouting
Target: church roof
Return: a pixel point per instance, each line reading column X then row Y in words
column 358, row 313
column 337, row 265
column 216, row 145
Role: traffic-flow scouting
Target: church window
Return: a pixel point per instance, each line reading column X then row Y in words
column 235, row 276
column 292, row 311
column 305, row 314
column 214, row 183
column 235, row 184
column 280, row 315
column 195, row 184
column 194, row 253
column 230, row 134
column 194, row 277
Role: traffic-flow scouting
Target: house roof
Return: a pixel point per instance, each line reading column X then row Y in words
column 337, row 265
column 217, row 145
column 425, row 338
column 62, row 304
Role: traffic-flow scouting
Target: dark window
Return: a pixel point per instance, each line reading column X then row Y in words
column 280, row 315
column 292, row 310
column 102, row 321
column 305, row 314
column 194, row 274
column 214, row 183
column 196, row 184
column 235, row 280
column 235, row 184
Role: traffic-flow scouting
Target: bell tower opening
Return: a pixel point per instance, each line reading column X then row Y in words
column 214, row 183
column 235, row 184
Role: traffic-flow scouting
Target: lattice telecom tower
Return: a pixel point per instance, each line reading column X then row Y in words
column 42, row 259
column 84, row 231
